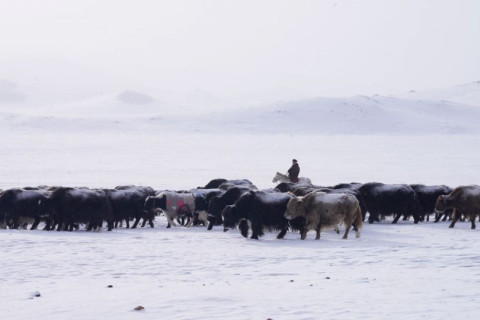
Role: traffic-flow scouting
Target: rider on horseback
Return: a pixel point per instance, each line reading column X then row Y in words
column 294, row 171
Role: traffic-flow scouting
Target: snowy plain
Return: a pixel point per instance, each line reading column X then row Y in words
column 402, row 271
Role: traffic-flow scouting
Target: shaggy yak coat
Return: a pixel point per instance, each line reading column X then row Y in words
column 322, row 210
column 464, row 200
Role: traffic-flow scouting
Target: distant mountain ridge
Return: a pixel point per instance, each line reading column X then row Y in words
column 467, row 93
column 455, row 110
column 356, row 115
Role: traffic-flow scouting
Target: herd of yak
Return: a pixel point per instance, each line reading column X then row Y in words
column 237, row 203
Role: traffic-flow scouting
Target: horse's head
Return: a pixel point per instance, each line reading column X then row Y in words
column 276, row 177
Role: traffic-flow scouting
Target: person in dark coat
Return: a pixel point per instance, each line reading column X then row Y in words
column 294, row 171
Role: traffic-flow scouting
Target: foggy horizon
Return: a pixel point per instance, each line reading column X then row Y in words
column 233, row 51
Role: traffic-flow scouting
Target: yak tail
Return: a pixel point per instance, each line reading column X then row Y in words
column 358, row 217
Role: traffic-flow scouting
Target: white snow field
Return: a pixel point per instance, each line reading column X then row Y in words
column 403, row 271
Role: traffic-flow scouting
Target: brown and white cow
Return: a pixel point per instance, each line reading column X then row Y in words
column 464, row 200
column 322, row 210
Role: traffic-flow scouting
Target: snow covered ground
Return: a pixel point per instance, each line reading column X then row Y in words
column 402, row 271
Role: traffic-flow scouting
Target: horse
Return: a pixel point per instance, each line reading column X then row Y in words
column 280, row 177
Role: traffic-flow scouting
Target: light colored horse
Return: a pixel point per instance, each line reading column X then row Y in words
column 280, row 177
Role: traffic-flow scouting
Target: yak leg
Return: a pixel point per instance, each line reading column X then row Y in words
column 456, row 216
column 181, row 221
column 396, row 218
column 210, row 225
column 347, row 229
column 170, row 221
column 257, row 230
column 190, row 222
column 472, row 220
column 35, row 223
column 283, row 232
column 372, row 217
column 317, row 230
column 137, row 220
column 144, row 222
column 337, row 230
column 355, row 228
column 303, row 234
column 203, row 217
column 244, row 227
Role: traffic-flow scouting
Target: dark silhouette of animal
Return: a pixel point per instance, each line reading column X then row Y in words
column 127, row 203
column 19, row 207
column 290, row 186
column 427, row 196
column 226, row 184
column 218, row 203
column 351, row 185
column 323, row 210
column 71, row 207
column 465, row 200
column 213, row 184
column 390, row 200
column 202, row 201
column 237, row 183
column 258, row 210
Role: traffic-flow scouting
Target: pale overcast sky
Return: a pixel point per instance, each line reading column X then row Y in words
column 271, row 49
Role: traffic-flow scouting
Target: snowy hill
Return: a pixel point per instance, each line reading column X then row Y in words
column 355, row 115
column 454, row 110
column 468, row 93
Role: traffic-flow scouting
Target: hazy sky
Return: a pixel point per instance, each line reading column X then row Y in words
column 271, row 49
